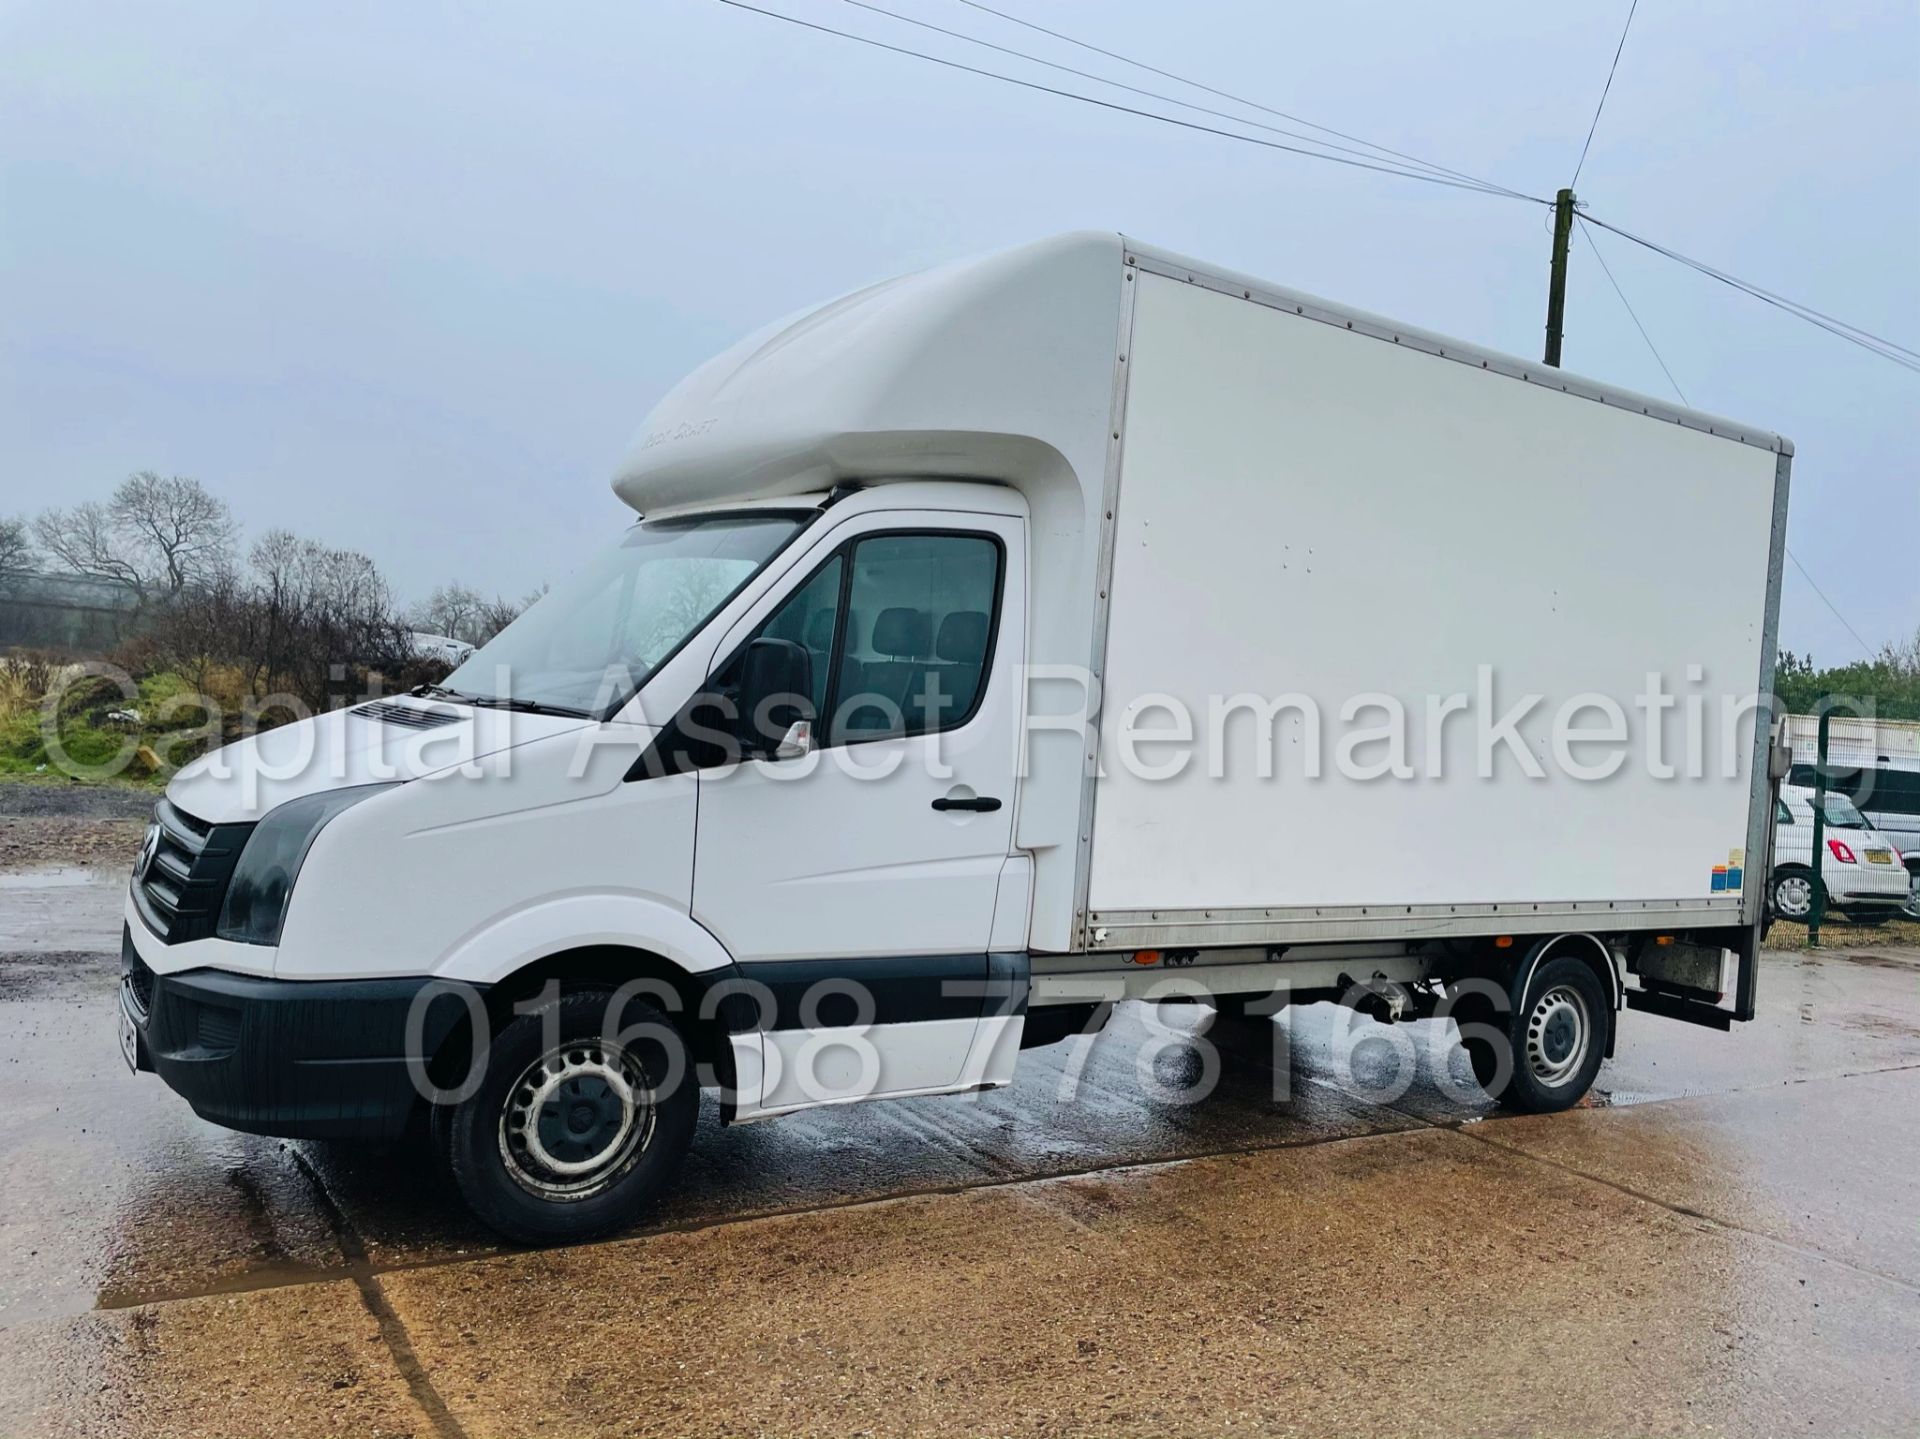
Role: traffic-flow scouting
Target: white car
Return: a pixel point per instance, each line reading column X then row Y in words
column 1866, row 875
column 440, row 647
column 1884, row 787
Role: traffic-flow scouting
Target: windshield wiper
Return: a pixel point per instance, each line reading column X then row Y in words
column 532, row 707
column 497, row 702
column 423, row 691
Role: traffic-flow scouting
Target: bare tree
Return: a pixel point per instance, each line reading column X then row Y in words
column 156, row 534
column 16, row 552
column 83, row 539
column 499, row 612
column 182, row 527
column 305, row 620
column 450, row 610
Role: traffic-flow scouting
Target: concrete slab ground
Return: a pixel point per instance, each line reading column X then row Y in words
column 1340, row 1237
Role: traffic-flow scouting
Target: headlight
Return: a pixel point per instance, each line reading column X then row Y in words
column 262, row 883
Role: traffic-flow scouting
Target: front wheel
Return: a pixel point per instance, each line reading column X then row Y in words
column 1550, row 1051
column 579, row 1123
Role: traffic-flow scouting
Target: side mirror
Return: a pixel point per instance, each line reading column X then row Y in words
column 776, row 695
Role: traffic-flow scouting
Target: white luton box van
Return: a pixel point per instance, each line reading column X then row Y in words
column 1073, row 625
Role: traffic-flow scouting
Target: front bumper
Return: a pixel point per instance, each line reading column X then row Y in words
column 301, row 1059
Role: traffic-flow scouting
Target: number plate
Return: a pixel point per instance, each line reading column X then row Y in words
column 129, row 1040
column 1879, row 856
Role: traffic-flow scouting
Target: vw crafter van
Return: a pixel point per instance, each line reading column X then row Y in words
column 825, row 781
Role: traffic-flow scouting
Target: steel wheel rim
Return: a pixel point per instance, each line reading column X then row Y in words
column 1793, row 896
column 575, row 1120
column 1559, row 1032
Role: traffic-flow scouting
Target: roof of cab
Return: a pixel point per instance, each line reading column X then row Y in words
column 983, row 368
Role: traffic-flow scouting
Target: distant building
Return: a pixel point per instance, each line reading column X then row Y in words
column 72, row 614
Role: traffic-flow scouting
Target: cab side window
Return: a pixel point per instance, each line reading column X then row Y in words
column 918, row 636
column 899, row 629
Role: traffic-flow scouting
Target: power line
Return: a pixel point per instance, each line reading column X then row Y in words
column 1866, row 339
column 1899, row 354
column 1832, row 608
column 1473, row 185
column 1242, row 100
column 1603, row 95
column 1854, row 334
column 1122, row 85
column 1607, row 270
column 1866, row 648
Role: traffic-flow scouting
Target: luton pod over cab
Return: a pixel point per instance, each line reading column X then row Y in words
column 1074, row 625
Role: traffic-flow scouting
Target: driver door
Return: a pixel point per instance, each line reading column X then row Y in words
column 857, row 882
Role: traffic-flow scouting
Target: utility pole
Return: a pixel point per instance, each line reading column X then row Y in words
column 1557, row 282
column 1818, row 914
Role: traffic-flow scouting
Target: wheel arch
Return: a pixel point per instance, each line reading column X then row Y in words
column 603, row 941
column 682, row 994
column 506, row 944
column 1598, row 957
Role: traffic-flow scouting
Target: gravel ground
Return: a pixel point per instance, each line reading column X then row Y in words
column 1839, row 933
column 96, row 826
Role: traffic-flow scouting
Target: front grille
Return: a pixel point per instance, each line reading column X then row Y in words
column 405, row 716
column 181, row 883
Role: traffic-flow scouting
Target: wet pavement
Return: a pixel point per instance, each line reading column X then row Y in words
column 1340, row 1236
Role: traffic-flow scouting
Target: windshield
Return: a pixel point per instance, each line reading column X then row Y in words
column 587, row 646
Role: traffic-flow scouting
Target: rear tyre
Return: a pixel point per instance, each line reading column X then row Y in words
column 1553, row 1042
column 1248, row 1009
column 1483, row 1038
column 573, row 1131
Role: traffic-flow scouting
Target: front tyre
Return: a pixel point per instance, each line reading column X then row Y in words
column 580, row 1122
column 1555, row 1041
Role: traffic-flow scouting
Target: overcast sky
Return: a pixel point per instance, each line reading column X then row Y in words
column 406, row 277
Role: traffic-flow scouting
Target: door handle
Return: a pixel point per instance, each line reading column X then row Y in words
column 980, row 804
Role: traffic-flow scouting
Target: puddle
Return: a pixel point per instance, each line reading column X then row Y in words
column 63, row 876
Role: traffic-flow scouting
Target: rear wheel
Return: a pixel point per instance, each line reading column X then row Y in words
column 1545, row 1054
column 578, row 1125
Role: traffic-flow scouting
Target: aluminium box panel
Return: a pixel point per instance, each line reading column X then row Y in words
column 1307, row 511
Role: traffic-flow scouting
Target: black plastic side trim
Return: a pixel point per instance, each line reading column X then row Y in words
column 904, row 989
column 1672, row 1006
